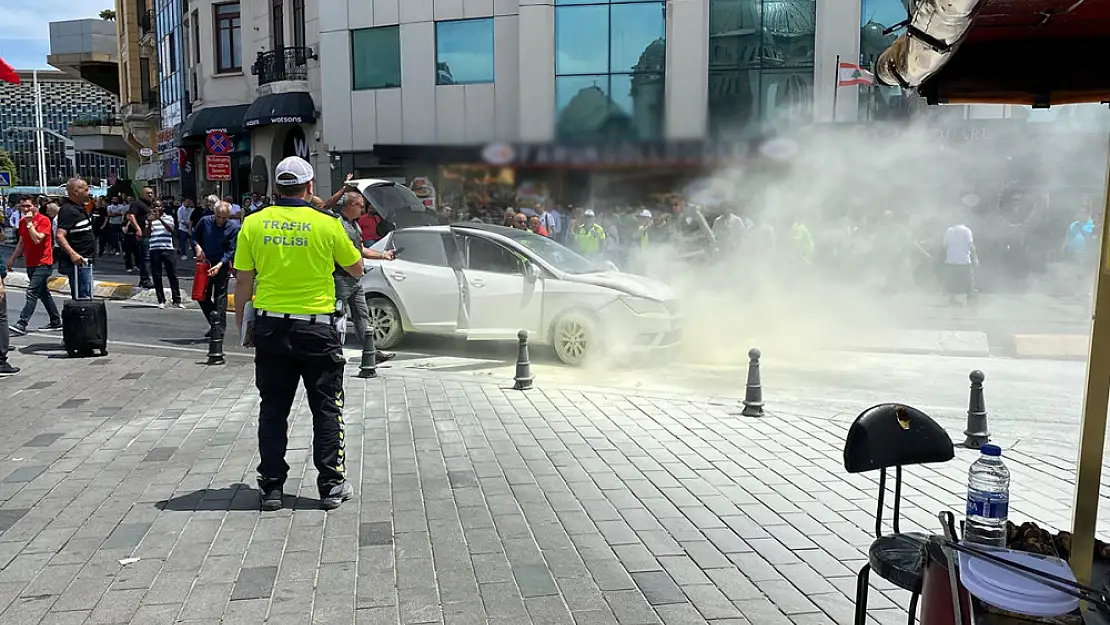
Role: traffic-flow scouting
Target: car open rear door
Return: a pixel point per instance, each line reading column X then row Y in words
column 421, row 275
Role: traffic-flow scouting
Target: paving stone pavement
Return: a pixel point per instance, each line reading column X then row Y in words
column 127, row 496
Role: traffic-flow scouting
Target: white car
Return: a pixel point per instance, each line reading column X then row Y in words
column 485, row 282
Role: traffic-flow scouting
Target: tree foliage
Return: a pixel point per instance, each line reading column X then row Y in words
column 108, row 15
column 6, row 164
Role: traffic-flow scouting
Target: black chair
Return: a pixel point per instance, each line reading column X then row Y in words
column 883, row 437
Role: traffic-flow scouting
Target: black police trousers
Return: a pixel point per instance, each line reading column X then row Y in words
column 288, row 351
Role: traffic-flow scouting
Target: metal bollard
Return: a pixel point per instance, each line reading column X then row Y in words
column 216, row 341
column 368, row 368
column 976, row 432
column 523, row 378
column 753, row 392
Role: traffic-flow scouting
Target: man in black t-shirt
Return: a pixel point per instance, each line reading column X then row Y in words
column 138, row 225
column 76, row 239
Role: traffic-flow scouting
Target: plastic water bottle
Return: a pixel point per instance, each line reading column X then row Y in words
column 988, row 498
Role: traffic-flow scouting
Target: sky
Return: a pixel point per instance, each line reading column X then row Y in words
column 25, row 31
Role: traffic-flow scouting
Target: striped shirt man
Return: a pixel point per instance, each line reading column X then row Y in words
column 161, row 233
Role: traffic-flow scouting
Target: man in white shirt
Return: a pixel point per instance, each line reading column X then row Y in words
column 116, row 211
column 960, row 259
column 236, row 210
column 185, row 228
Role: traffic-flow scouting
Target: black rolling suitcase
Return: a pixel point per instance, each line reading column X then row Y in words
column 84, row 326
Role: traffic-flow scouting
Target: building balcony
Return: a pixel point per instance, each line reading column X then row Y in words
column 282, row 70
column 86, row 49
column 103, row 135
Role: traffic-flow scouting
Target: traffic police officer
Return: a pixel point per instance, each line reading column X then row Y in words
column 289, row 252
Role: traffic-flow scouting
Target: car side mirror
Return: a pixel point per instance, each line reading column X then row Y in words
column 531, row 273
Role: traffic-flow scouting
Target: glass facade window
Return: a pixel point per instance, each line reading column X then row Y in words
column 880, row 102
column 298, row 24
column 610, row 70
column 66, row 102
column 229, row 49
column 760, row 64
column 170, row 25
column 277, row 24
column 464, row 52
column 376, row 58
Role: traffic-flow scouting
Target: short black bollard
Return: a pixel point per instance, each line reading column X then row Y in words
column 368, row 368
column 523, row 378
column 753, row 392
column 976, row 432
column 216, row 342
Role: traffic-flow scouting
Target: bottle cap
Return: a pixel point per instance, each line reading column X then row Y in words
column 991, row 450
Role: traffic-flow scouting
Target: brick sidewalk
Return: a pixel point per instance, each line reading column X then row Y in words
column 476, row 504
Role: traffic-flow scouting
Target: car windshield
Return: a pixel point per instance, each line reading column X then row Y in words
column 555, row 254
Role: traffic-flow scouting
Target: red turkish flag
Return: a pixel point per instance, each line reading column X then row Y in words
column 7, row 74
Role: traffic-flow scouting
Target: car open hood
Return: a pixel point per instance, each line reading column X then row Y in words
column 625, row 283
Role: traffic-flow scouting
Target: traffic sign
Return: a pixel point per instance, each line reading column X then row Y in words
column 5, row 179
column 217, row 167
column 219, row 143
column 146, row 152
column 71, row 152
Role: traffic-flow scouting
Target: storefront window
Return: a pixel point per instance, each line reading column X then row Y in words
column 880, row 102
column 464, row 52
column 376, row 57
column 760, row 64
column 610, row 65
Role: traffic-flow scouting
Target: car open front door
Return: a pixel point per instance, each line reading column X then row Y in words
column 502, row 299
column 426, row 284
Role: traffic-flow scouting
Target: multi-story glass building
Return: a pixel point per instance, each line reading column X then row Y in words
column 165, row 164
column 66, row 101
column 575, row 97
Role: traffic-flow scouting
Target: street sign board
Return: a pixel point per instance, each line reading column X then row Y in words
column 217, row 167
column 146, row 152
column 71, row 152
column 5, row 179
column 219, row 143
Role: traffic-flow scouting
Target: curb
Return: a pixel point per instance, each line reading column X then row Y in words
column 116, row 291
column 1051, row 346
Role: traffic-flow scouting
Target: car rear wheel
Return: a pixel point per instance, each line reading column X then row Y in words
column 575, row 339
column 385, row 320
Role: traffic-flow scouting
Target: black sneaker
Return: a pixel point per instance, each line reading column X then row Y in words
column 386, row 356
column 7, row 369
column 18, row 330
column 53, row 326
column 335, row 498
column 271, row 499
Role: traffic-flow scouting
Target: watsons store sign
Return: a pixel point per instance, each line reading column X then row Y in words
column 287, row 119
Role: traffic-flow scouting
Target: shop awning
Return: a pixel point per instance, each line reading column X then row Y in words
column 280, row 108
column 226, row 118
column 1005, row 52
column 149, row 171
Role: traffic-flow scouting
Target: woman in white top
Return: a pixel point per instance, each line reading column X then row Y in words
column 162, row 254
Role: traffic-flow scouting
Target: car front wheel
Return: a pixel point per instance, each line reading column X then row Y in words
column 385, row 319
column 575, row 339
